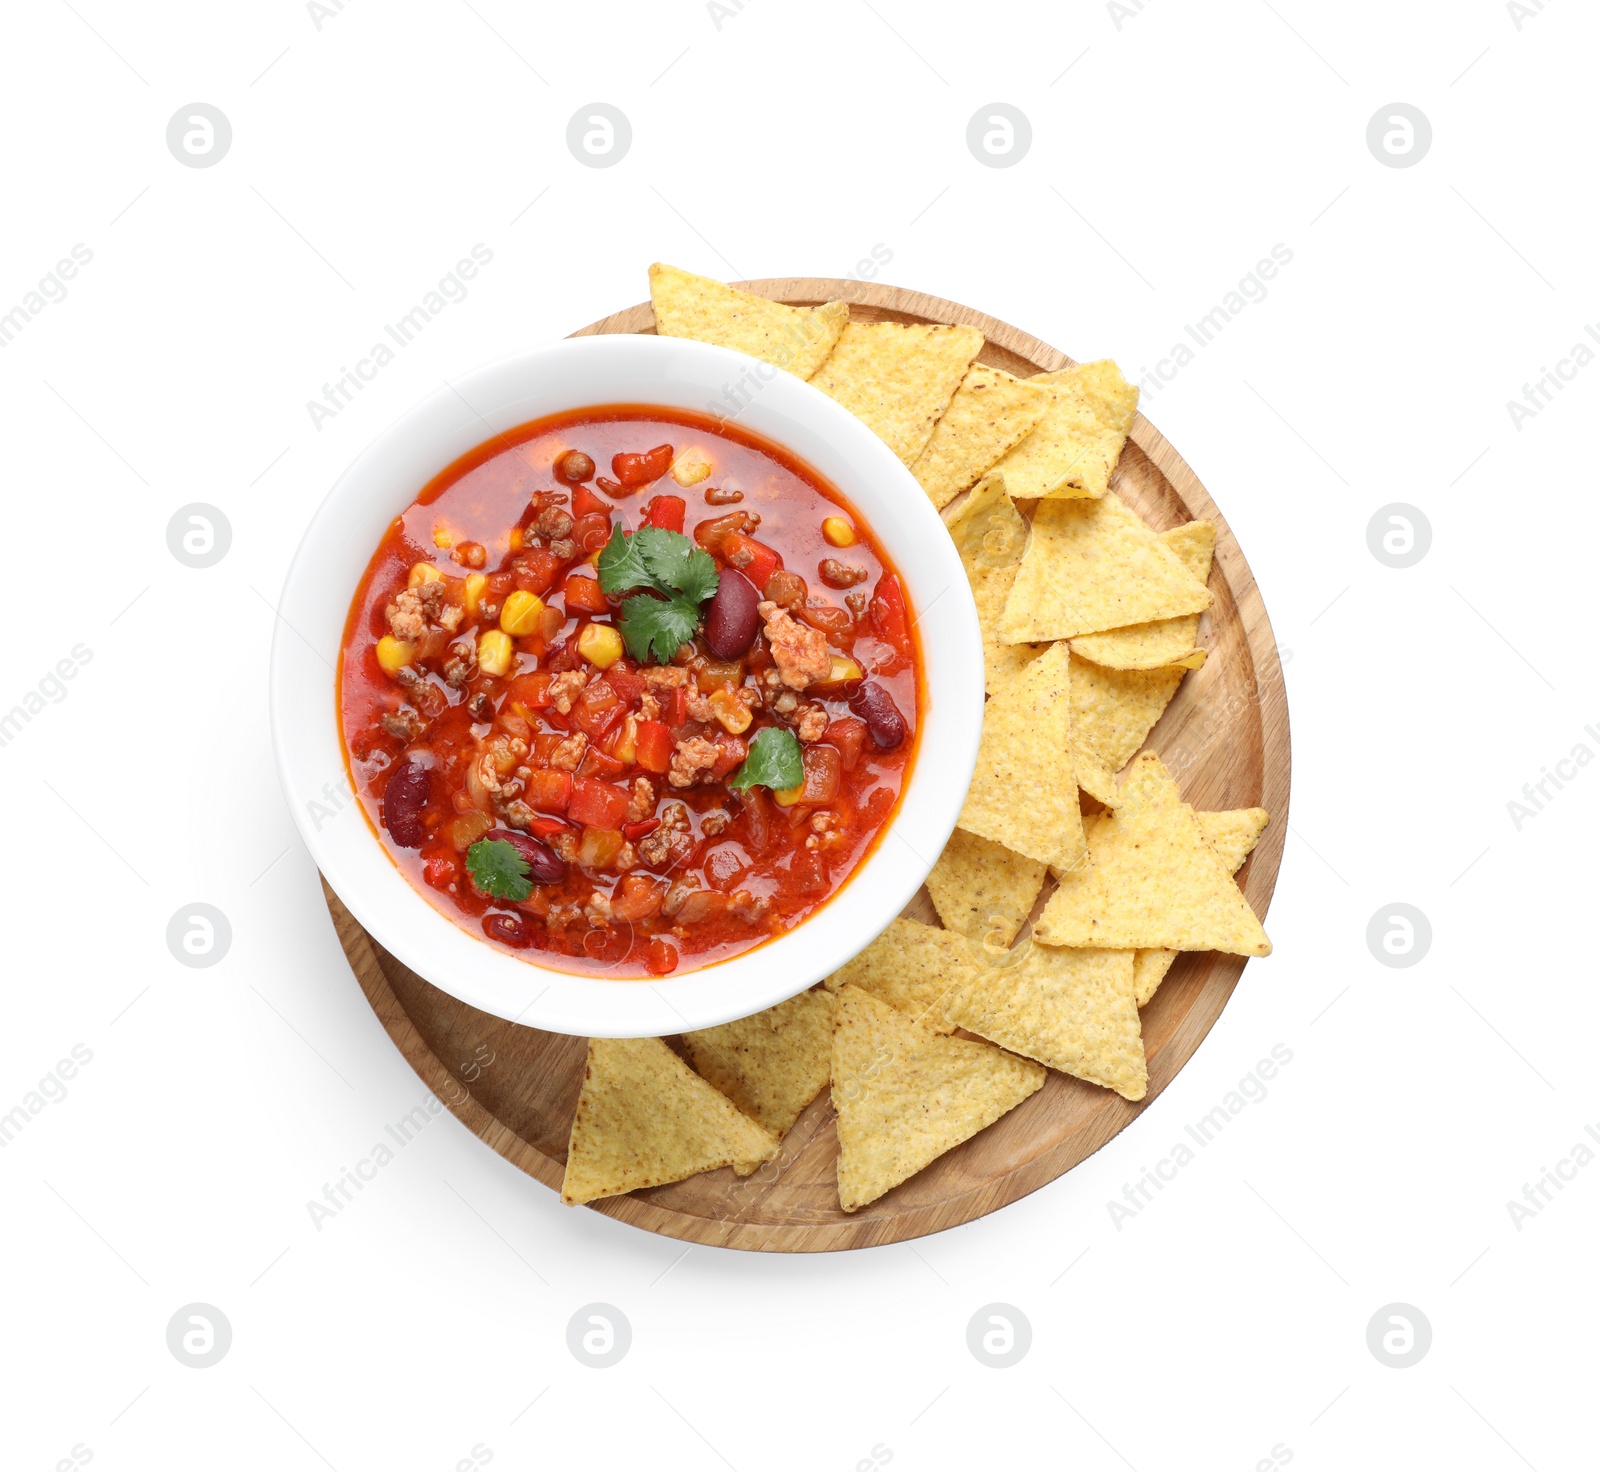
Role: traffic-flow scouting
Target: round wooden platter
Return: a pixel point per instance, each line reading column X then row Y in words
column 1226, row 738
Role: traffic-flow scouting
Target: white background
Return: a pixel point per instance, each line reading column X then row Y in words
column 1170, row 152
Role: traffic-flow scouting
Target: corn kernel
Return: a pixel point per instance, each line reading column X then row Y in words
column 514, row 541
column 521, row 613
column 731, row 712
column 837, row 532
column 627, row 748
column 600, row 644
column 494, row 652
column 442, row 537
column 472, row 592
column 394, row 654
column 842, row 668
column 689, row 469
column 423, row 572
column 789, row 796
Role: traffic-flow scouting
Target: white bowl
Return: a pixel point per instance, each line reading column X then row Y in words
column 386, row 478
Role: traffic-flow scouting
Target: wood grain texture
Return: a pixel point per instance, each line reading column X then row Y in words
column 1226, row 738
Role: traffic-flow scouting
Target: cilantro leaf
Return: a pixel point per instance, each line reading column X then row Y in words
column 621, row 564
column 653, row 628
column 774, row 762
column 498, row 869
column 677, row 563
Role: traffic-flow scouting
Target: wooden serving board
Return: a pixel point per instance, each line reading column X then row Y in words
column 1226, row 738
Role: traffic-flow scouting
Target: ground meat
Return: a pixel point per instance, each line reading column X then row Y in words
column 643, row 801
column 700, row 708
column 671, row 843
column 627, row 857
column 519, row 814
column 649, row 706
column 664, row 677
column 494, row 765
column 569, row 752
column 693, row 756
column 679, row 894
column 857, row 604
column 564, row 548
column 481, row 706
column 404, row 724
column 406, row 617
column 565, row 688
column 598, row 910
column 743, row 906
column 565, row 843
column 800, row 653
column 714, row 822
column 459, row 664
column 552, row 522
column 810, row 722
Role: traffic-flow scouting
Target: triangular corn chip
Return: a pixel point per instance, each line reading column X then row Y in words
column 1068, row 1009
column 773, row 1064
column 990, row 412
column 1093, row 772
column 1233, row 834
column 912, row 967
column 897, row 378
column 989, row 533
column 796, row 338
column 644, row 1118
column 1075, row 447
column 1023, row 792
column 1093, row 565
column 1152, row 881
column 982, row 890
column 1113, row 710
column 905, row 1095
column 1168, row 641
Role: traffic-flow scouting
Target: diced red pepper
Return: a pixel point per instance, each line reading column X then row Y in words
column 626, row 681
column 596, row 763
column 674, row 707
column 754, row 559
column 530, row 692
column 536, row 569
column 660, row 958
column 586, row 503
column 544, row 829
column 633, row 832
column 731, row 750
column 549, row 791
column 642, row 468
column 615, row 489
column 583, row 595
column 597, row 804
column 887, row 612
column 849, row 734
column 439, row 872
column 596, row 708
column 592, row 532
column 665, row 512
column 652, row 744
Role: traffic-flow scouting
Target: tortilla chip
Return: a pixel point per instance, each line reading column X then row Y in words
column 912, row 967
column 1023, row 792
column 1093, row 565
column 796, row 338
column 982, row 890
column 1077, row 444
column 1168, row 641
column 989, row 533
column 990, row 412
column 897, row 378
column 1113, row 710
column 645, row 1119
column 773, row 1064
column 1232, row 834
column 905, row 1095
column 1153, row 882
column 1068, row 1009
column 1094, row 773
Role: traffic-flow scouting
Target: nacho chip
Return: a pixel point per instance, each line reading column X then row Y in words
column 897, row 378
column 982, row 890
column 1169, row 641
column 1113, row 710
column 773, row 1064
column 912, row 967
column 796, row 338
column 645, row 1119
column 1068, row 1009
column 989, row 533
column 1023, row 792
column 1094, row 565
column 904, row 1095
column 1153, row 882
column 1232, row 834
column 1093, row 772
column 990, row 412
column 1075, row 447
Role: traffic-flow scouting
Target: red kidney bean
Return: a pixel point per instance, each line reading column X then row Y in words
column 403, row 801
column 544, row 865
column 510, row 930
column 573, row 467
column 732, row 620
column 876, row 707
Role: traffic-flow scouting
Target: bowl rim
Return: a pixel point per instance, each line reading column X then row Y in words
column 470, row 410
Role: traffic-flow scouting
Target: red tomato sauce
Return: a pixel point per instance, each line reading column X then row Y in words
column 484, row 702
